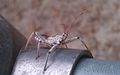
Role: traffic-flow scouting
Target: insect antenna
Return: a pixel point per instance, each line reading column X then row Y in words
column 73, row 22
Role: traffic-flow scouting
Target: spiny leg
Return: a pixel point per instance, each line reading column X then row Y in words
column 48, row 54
column 30, row 37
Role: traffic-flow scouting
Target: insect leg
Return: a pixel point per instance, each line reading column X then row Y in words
column 84, row 43
column 38, row 50
column 30, row 37
column 40, row 39
column 40, row 36
column 76, row 38
column 48, row 54
column 66, row 46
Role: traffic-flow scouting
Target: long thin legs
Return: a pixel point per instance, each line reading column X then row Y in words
column 47, row 56
column 38, row 50
column 76, row 38
column 39, row 38
column 84, row 44
column 30, row 37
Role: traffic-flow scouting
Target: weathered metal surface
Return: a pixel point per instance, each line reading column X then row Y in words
column 6, row 48
column 18, row 40
column 10, row 43
column 90, row 66
column 61, row 62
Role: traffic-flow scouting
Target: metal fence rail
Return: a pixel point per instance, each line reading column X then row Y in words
column 61, row 62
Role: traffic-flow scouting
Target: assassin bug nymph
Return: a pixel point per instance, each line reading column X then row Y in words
column 54, row 41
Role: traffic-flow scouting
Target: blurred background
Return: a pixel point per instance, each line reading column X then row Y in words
column 99, row 26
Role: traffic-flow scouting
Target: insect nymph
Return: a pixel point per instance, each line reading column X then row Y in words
column 53, row 41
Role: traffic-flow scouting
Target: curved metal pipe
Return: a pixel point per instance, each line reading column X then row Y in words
column 64, row 62
column 61, row 62
column 89, row 66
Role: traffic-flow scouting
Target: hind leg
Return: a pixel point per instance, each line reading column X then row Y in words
column 38, row 50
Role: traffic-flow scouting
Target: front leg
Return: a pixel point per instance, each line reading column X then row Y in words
column 38, row 50
column 76, row 38
column 39, row 38
column 36, row 36
column 29, row 39
column 47, row 56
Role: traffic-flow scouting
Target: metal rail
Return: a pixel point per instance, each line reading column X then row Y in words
column 61, row 62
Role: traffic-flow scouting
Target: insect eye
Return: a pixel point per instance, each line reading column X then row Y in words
column 64, row 34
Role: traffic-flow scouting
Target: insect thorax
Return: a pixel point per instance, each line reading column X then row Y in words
column 54, row 40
